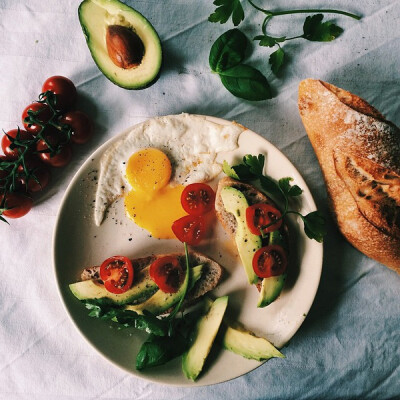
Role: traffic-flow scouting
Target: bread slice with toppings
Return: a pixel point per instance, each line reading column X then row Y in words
column 211, row 275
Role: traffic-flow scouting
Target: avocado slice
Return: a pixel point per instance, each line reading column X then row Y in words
column 203, row 338
column 235, row 338
column 247, row 243
column 160, row 302
column 271, row 287
column 143, row 287
column 123, row 43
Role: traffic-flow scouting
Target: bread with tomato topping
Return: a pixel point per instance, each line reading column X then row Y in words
column 212, row 272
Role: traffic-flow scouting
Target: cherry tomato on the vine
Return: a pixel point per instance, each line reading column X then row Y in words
column 167, row 273
column 261, row 214
column 198, row 198
column 44, row 115
column 269, row 261
column 117, row 274
column 81, row 124
column 16, row 205
column 61, row 159
column 64, row 89
column 13, row 154
column 37, row 181
column 191, row 229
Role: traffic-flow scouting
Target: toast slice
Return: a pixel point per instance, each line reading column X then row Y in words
column 211, row 275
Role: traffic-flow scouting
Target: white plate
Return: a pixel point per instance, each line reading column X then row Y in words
column 79, row 243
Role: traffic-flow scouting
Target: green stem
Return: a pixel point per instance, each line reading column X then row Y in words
column 315, row 10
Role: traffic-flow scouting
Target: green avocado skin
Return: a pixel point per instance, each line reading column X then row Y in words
column 141, row 77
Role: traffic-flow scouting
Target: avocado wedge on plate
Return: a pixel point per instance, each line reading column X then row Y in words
column 123, row 43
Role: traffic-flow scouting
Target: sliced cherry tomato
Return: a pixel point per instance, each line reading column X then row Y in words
column 81, row 124
column 44, row 115
column 198, row 199
column 261, row 214
column 269, row 261
column 64, row 89
column 191, row 229
column 58, row 160
column 167, row 273
column 13, row 154
column 16, row 205
column 117, row 274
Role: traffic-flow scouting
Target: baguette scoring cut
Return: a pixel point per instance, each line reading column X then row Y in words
column 359, row 154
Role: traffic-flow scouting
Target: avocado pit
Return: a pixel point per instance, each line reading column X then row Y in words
column 125, row 48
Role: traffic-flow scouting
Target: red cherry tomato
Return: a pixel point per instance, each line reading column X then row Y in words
column 39, row 179
column 44, row 115
column 13, row 154
column 58, row 160
column 17, row 205
column 81, row 124
column 191, row 229
column 117, row 274
column 198, row 199
column 259, row 215
column 64, row 89
column 167, row 273
column 269, row 261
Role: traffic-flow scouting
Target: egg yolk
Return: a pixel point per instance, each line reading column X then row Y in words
column 153, row 203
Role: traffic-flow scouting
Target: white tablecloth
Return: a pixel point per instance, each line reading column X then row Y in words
column 348, row 346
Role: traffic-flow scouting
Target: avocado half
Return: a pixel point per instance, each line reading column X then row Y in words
column 98, row 19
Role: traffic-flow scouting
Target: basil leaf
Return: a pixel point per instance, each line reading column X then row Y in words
column 159, row 350
column 277, row 59
column 228, row 50
column 246, row 82
column 316, row 31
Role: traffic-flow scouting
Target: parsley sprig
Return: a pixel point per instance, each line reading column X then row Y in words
column 251, row 169
column 242, row 76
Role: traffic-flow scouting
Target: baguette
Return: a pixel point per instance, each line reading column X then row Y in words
column 212, row 272
column 359, row 154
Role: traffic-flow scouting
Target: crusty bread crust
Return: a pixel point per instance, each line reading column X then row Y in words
column 211, row 274
column 359, row 154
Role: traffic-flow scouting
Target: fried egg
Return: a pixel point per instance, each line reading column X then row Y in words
column 151, row 163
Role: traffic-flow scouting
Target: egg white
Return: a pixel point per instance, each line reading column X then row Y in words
column 191, row 143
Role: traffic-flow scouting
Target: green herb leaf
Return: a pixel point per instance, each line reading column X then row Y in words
column 277, row 59
column 288, row 189
column 226, row 9
column 105, row 309
column 229, row 171
column 256, row 164
column 316, row 30
column 271, row 188
column 228, row 50
column 246, row 82
column 315, row 226
column 269, row 41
